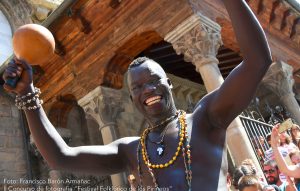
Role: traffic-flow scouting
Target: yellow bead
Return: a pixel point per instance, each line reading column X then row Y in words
column 161, row 166
column 157, row 166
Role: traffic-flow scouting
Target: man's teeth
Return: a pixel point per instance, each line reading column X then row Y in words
column 152, row 100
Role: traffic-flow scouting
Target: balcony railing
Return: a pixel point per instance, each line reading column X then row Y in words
column 257, row 132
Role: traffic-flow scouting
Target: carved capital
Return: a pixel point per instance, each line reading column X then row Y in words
column 102, row 104
column 279, row 79
column 198, row 39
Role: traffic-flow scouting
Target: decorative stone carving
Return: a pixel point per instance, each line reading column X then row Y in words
column 198, row 39
column 279, row 79
column 103, row 105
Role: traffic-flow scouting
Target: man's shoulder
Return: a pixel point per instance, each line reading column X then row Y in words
column 127, row 144
column 127, row 147
column 127, row 140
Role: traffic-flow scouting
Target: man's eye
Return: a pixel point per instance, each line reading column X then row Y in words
column 156, row 81
column 135, row 88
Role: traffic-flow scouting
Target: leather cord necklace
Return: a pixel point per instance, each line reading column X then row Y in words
column 160, row 145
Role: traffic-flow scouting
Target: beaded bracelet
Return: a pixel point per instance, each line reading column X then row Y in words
column 30, row 101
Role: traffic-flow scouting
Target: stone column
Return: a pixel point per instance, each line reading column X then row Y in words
column 279, row 79
column 104, row 106
column 198, row 39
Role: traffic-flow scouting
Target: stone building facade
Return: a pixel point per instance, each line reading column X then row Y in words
column 99, row 114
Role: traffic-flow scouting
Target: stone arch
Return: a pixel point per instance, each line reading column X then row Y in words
column 17, row 12
column 117, row 66
column 13, row 14
column 66, row 113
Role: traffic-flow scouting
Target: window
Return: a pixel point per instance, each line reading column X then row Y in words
column 5, row 39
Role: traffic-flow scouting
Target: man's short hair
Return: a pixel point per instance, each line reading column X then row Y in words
column 249, row 180
column 271, row 163
column 138, row 61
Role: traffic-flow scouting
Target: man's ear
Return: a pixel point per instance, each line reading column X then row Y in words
column 170, row 83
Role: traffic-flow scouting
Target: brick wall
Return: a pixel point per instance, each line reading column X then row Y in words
column 12, row 150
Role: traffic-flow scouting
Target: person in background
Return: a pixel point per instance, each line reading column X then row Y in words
column 285, row 146
column 295, row 133
column 289, row 170
column 295, row 157
column 250, row 183
column 286, row 141
column 240, row 171
column 229, row 182
column 272, row 172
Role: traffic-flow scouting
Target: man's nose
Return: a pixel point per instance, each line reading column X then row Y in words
column 148, row 87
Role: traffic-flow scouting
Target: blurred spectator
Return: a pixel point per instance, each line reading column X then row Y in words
column 295, row 156
column 228, row 181
column 260, row 146
column 250, row 163
column 271, row 172
column 241, row 171
column 295, row 132
column 268, row 138
column 286, row 141
column 249, row 183
column 285, row 146
column 289, row 170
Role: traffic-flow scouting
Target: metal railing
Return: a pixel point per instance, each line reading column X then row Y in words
column 257, row 132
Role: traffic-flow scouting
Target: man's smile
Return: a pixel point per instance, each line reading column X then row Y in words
column 152, row 100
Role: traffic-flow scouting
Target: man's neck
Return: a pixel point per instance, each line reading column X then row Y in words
column 159, row 123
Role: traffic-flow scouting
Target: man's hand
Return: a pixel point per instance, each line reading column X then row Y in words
column 21, row 70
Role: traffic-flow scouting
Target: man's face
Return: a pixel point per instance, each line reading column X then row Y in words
column 271, row 174
column 150, row 89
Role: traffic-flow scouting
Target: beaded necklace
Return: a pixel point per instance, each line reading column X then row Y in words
column 183, row 145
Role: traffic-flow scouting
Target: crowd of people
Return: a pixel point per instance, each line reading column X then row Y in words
column 280, row 165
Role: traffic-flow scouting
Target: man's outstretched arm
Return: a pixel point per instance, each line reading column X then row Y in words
column 236, row 92
column 103, row 160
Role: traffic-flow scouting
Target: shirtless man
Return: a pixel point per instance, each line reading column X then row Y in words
column 150, row 90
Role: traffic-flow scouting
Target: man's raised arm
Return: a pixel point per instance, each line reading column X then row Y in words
column 236, row 92
column 103, row 160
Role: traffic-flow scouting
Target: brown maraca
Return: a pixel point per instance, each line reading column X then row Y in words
column 33, row 43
